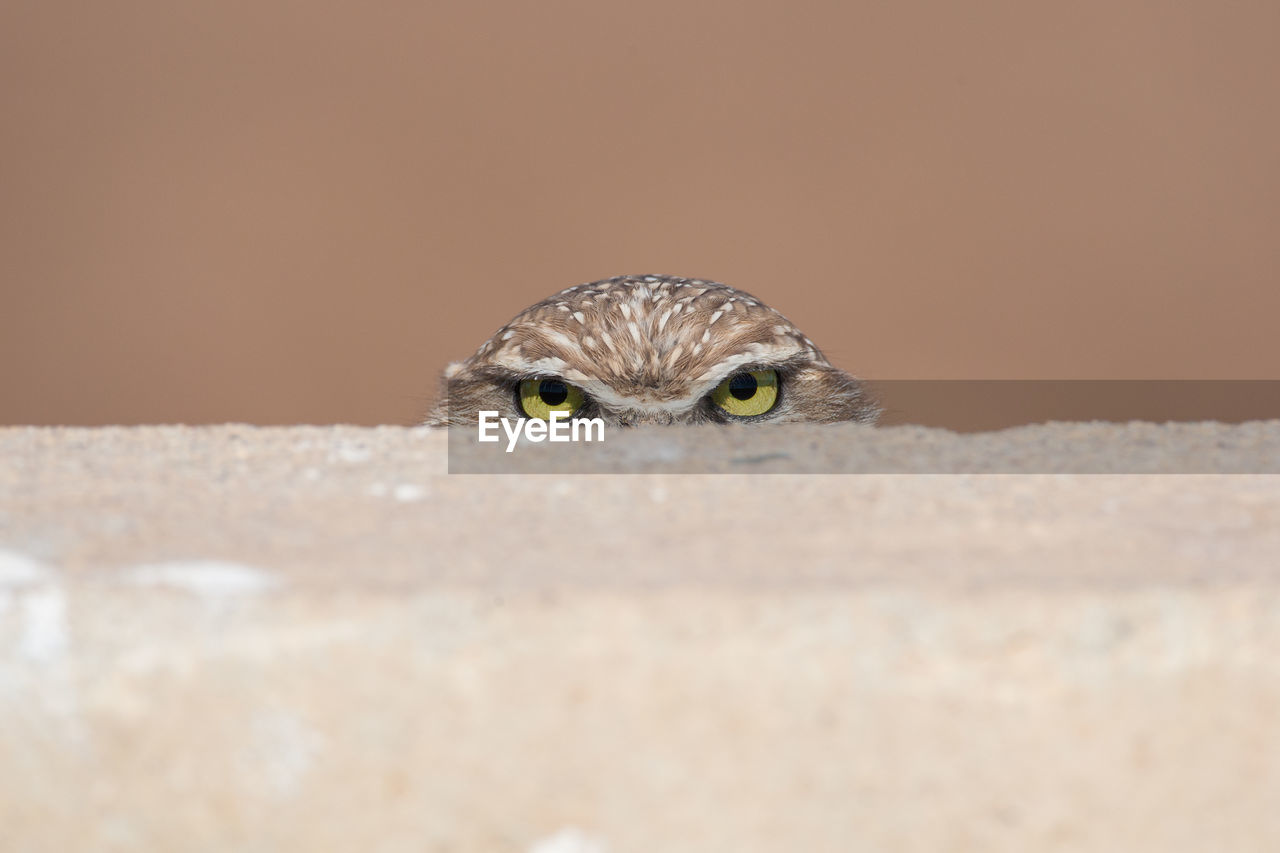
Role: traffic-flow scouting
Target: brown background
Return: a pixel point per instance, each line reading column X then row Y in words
column 297, row 212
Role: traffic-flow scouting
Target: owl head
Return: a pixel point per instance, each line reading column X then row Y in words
column 651, row 349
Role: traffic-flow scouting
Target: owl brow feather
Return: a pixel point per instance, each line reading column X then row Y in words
column 784, row 366
column 504, row 375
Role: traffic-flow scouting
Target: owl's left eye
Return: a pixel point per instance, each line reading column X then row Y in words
column 747, row 394
column 540, row 397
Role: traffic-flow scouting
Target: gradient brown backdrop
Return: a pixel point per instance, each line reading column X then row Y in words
column 297, row 212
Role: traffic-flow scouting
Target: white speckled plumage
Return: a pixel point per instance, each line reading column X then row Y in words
column 650, row 349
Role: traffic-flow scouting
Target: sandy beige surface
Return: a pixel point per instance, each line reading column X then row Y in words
column 316, row 638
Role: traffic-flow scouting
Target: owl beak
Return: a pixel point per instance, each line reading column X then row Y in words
column 647, row 419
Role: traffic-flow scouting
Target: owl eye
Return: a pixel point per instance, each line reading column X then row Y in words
column 540, row 397
column 747, row 394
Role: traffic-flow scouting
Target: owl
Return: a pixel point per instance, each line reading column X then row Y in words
column 651, row 349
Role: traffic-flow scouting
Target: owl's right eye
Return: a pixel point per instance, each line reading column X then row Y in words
column 540, row 397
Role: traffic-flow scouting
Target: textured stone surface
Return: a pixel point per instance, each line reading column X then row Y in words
column 314, row 638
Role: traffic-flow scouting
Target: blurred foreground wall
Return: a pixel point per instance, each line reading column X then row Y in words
column 312, row 639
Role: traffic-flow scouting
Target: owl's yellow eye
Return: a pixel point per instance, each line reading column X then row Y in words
column 540, row 397
column 747, row 394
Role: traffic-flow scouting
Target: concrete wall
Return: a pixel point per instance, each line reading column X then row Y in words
column 314, row 639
